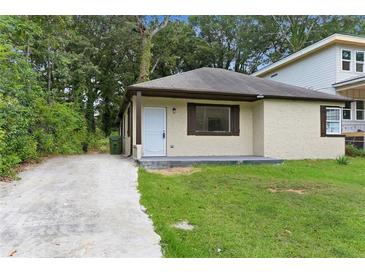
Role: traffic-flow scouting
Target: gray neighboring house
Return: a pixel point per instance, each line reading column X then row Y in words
column 334, row 65
column 215, row 112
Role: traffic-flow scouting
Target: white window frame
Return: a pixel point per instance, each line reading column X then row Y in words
column 350, row 61
column 337, row 121
column 359, row 62
column 363, row 111
column 350, row 109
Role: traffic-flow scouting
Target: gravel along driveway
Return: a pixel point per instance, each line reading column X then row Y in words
column 76, row 206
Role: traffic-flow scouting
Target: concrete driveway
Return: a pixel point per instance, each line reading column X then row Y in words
column 76, row 206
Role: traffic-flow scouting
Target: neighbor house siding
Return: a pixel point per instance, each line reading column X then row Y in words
column 316, row 71
column 178, row 143
column 292, row 131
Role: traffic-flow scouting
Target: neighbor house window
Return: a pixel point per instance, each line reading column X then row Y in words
column 346, row 111
column 359, row 61
column 330, row 121
column 213, row 119
column 346, row 59
column 359, row 110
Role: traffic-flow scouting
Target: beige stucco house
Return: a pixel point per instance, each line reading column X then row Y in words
column 216, row 112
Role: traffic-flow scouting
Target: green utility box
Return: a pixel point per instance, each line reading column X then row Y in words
column 115, row 145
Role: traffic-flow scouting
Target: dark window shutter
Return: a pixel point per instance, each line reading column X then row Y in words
column 235, row 120
column 323, row 121
column 191, row 119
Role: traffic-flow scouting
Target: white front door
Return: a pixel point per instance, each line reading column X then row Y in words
column 154, row 131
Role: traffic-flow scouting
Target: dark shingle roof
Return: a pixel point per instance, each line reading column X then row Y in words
column 221, row 81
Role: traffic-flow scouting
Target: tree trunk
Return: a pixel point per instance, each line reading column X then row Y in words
column 49, row 72
column 90, row 112
column 144, row 67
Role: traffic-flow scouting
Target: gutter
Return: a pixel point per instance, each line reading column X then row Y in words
column 174, row 93
column 349, row 82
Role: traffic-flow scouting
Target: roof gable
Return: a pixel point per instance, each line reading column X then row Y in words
column 336, row 38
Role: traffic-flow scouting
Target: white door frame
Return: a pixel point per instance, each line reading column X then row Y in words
column 164, row 130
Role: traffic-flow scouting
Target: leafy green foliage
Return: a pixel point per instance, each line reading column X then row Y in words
column 353, row 151
column 98, row 142
column 60, row 129
column 27, row 133
column 342, row 160
column 16, row 144
column 30, row 125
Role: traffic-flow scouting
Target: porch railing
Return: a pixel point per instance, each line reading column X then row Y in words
column 355, row 138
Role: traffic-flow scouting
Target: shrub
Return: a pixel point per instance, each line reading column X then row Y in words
column 342, row 160
column 16, row 142
column 60, row 129
column 27, row 132
column 29, row 125
column 98, row 141
column 353, row 151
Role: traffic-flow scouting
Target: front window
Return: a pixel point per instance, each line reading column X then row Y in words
column 346, row 60
column 212, row 118
column 346, row 112
column 359, row 61
column 333, row 120
column 359, row 110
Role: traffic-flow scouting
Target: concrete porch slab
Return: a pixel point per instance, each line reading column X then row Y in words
column 181, row 161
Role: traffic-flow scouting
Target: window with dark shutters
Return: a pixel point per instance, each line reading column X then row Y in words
column 211, row 119
column 331, row 120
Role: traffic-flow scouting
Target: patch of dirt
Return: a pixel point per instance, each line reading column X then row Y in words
column 6, row 179
column 184, row 225
column 175, row 171
column 27, row 165
column 20, row 168
column 276, row 190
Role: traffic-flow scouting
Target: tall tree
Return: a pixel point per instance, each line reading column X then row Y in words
column 112, row 46
column 177, row 48
column 148, row 27
column 220, row 35
column 297, row 32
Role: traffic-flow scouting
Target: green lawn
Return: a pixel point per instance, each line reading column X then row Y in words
column 233, row 210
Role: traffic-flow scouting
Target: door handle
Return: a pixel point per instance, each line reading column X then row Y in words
column 163, row 135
